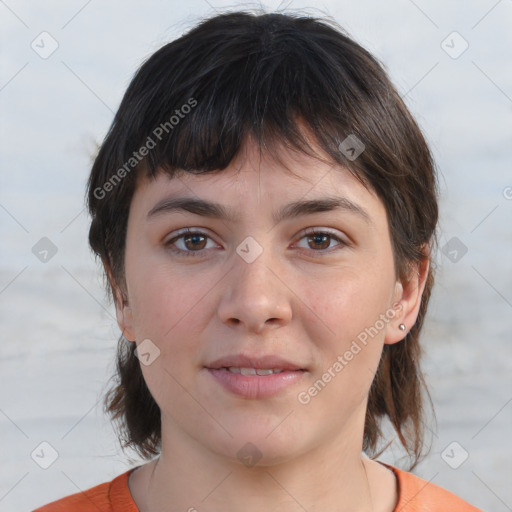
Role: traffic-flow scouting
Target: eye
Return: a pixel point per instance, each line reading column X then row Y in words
column 189, row 243
column 319, row 241
column 193, row 243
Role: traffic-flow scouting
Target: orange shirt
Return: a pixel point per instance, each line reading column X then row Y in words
column 414, row 495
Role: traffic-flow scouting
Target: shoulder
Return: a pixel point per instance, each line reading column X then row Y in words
column 111, row 496
column 418, row 495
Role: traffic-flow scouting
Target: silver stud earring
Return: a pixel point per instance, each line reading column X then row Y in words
column 402, row 327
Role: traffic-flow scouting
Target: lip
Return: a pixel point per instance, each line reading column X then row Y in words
column 260, row 362
column 255, row 386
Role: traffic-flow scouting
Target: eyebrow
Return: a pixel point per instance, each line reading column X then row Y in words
column 207, row 208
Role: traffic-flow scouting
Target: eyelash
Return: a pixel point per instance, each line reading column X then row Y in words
column 188, row 232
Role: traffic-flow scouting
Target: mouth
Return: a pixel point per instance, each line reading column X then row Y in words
column 254, row 378
column 253, row 371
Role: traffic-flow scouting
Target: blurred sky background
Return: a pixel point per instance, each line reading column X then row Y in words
column 452, row 63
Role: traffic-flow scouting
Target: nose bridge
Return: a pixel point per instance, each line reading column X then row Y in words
column 254, row 263
column 253, row 269
column 255, row 296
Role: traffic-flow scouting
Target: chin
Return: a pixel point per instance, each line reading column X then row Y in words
column 255, row 445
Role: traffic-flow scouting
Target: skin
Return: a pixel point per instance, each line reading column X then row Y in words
column 286, row 302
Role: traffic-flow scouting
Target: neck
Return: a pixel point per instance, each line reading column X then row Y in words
column 331, row 478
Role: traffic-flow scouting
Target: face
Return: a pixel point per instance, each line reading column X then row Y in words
column 216, row 302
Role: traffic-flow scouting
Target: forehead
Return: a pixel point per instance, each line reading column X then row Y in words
column 255, row 178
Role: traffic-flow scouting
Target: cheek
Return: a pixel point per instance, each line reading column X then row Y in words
column 170, row 313
column 350, row 330
column 172, row 309
column 161, row 298
column 348, row 304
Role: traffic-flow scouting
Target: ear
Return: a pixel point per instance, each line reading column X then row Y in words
column 123, row 310
column 407, row 299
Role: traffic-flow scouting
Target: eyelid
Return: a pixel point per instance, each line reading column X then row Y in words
column 322, row 231
column 186, row 231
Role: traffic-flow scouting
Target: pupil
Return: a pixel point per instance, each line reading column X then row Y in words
column 195, row 240
column 320, row 240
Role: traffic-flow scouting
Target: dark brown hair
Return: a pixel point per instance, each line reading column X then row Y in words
column 191, row 106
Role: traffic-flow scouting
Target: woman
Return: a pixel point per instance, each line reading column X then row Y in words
column 265, row 207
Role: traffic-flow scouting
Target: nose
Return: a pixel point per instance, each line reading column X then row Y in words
column 256, row 296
